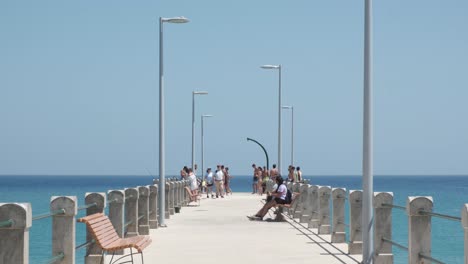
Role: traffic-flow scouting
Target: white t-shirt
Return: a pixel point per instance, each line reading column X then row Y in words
column 220, row 175
column 283, row 190
column 193, row 182
column 209, row 177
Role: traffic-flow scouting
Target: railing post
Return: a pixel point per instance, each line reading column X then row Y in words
column 171, row 197
column 382, row 227
column 94, row 251
column 314, row 206
column 338, row 218
column 63, row 228
column 302, row 199
column 307, row 205
column 167, row 214
column 116, row 212
column 153, row 206
column 324, row 210
column 419, row 228
column 355, row 222
column 464, row 222
column 131, row 212
column 178, row 204
column 143, row 210
column 14, row 238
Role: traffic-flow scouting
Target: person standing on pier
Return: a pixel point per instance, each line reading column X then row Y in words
column 209, row 183
column 299, row 174
column 219, row 182
column 274, row 173
column 227, row 179
column 193, row 182
column 255, row 179
column 183, row 173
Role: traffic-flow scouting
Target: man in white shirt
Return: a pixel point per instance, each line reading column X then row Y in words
column 193, row 182
column 219, row 182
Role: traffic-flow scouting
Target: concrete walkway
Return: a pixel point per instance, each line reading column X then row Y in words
column 219, row 232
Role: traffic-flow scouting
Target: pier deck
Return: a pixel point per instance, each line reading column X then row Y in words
column 219, row 232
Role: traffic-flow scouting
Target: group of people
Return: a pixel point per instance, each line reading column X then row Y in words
column 262, row 175
column 220, row 178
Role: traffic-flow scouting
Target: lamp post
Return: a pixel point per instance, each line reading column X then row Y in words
column 193, row 126
column 203, row 146
column 277, row 67
column 162, row 182
column 367, row 163
column 292, row 131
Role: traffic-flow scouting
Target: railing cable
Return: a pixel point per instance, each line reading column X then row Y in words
column 55, row 258
column 86, row 206
column 394, row 206
column 421, row 255
column 52, row 213
column 85, row 244
column 394, row 243
column 6, row 223
column 448, row 217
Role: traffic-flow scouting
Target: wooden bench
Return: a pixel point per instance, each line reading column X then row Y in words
column 279, row 212
column 108, row 240
column 192, row 197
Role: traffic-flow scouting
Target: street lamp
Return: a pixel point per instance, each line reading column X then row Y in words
column 162, row 182
column 367, row 159
column 203, row 146
column 292, row 131
column 278, row 67
column 193, row 125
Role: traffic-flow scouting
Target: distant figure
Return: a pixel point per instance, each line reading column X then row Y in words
column 193, row 182
column 260, row 180
column 255, row 179
column 274, row 172
column 183, row 173
column 265, row 178
column 227, row 181
column 209, row 183
column 291, row 173
column 279, row 197
column 299, row 174
column 219, row 182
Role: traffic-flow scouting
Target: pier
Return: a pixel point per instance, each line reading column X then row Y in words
column 313, row 228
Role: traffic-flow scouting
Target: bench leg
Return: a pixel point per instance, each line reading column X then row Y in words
column 279, row 214
column 131, row 254
column 102, row 257
column 142, row 261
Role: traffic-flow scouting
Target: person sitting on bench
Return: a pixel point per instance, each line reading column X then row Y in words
column 279, row 197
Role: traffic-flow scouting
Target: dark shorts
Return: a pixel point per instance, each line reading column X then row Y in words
column 279, row 200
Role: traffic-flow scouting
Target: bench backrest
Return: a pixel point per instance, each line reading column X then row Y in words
column 101, row 228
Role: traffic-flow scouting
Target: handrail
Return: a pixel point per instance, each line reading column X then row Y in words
column 6, row 223
column 128, row 223
column 112, row 201
column 140, row 217
column 394, row 206
column 52, row 213
column 85, row 244
column 444, row 216
column 343, row 223
column 342, row 197
column 86, row 206
column 394, row 243
column 59, row 256
column 128, row 197
column 421, row 255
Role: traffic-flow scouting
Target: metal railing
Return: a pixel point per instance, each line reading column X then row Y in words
column 85, row 244
column 394, row 243
column 55, row 258
column 52, row 213
column 394, row 206
column 6, row 223
column 86, row 206
column 430, row 258
column 444, row 216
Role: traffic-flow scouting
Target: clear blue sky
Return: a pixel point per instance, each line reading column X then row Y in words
column 79, row 85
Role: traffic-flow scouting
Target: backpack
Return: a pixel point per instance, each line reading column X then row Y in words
column 288, row 197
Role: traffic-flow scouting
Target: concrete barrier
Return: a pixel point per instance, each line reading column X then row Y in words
column 355, row 222
column 314, row 215
column 99, row 199
column 324, row 210
column 301, row 203
column 307, row 205
column 153, row 206
column 464, row 222
column 131, row 212
column 14, row 237
column 167, row 214
column 382, row 227
column 116, row 200
column 171, row 197
column 338, row 224
column 63, row 228
column 143, row 210
column 419, row 228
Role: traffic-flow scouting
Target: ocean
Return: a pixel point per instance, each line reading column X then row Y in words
column 448, row 192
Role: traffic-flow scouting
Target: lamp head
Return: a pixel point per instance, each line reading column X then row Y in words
column 200, row 92
column 287, row 107
column 207, row 115
column 176, row 20
column 268, row 67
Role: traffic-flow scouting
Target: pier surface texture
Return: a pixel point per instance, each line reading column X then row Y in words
column 218, row 231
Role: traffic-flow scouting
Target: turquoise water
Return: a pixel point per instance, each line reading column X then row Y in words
column 448, row 192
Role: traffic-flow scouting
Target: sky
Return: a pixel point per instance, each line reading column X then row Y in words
column 79, row 85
